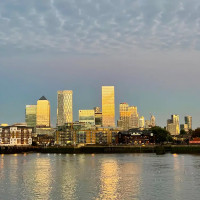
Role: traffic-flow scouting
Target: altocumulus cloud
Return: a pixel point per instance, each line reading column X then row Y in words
column 98, row 27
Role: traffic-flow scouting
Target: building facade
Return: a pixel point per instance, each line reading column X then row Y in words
column 173, row 125
column 43, row 113
column 134, row 117
column 87, row 117
column 30, row 116
column 64, row 107
column 15, row 135
column 108, row 106
column 153, row 121
column 124, row 116
column 188, row 121
column 141, row 122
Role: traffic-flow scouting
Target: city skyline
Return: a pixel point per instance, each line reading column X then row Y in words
column 108, row 96
column 149, row 51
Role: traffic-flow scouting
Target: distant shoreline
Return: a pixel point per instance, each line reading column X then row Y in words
column 182, row 149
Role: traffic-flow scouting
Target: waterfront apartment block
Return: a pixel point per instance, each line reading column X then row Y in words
column 64, row 107
column 16, row 135
column 79, row 133
column 87, row 117
column 108, row 106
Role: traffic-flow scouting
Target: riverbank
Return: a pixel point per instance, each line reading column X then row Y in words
column 184, row 149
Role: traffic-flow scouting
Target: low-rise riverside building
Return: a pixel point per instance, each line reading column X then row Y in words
column 136, row 136
column 80, row 133
column 16, row 135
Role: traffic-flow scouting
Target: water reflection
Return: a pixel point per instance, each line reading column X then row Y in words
column 109, row 179
column 117, row 176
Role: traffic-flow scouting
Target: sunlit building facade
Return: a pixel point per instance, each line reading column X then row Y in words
column 153, row 121
column 43, row 113
column 141, row 122
column 108, row 106
column 30, row 115
column 134, row 117
column 188, row 121
column 64, row 107
column 87, row 117
column 124, row 115
column 16, row 135
column 173, row 125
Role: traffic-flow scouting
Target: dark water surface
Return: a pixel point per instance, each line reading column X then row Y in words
column 99, row 176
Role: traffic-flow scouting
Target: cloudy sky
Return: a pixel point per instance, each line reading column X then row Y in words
column 149, row 50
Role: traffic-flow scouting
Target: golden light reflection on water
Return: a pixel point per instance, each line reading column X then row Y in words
column 109, row 179
column 13, row 175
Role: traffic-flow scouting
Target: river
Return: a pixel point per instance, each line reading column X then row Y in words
column 99, row 176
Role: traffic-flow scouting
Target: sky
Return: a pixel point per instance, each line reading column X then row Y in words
column 149, row 50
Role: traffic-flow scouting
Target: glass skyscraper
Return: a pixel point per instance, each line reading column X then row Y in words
column 43, row 113
column 108, row 106
column 30, row 115
column 65, row 107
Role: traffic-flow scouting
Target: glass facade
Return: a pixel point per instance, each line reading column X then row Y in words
column 108, row 106
column 129, row 117
column 87, row 116
column 65, row 107
column 43, row 112
column 30, row 115
column 188, row 121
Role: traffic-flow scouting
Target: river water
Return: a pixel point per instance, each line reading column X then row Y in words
column 99, row 176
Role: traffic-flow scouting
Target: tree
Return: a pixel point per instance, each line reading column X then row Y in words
column 161, row 134
column 196, row 133
column 183, row 132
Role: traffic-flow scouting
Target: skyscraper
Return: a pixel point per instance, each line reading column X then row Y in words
column 43, row 113
column 134, row 117
column 141, row 122
column 65, row 107
column 173, row 125
column 108, row 106
column 30, row 115
column 188, row 121
column 153, row 121
column 124, row 115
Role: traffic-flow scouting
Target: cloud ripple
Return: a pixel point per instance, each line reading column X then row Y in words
column 98, row 27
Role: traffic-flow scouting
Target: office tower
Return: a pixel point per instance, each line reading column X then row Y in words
column 188, row 121
column 173, row 125
column 108, row 106
column 134, row 117
column 98, row 116
column 184, row 127
column 124, row 115
column 148, row 124
column 141, row 122
column 30, row 115
column 64, row 107
column 153, row 121
column 87, row 117
column 129, row 117
column 43, row 113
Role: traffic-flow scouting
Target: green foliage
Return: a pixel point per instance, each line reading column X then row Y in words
column 183, row 132
column 161, row 135
column 196, row 133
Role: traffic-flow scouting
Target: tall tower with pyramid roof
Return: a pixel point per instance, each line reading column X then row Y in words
column 43, row 113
